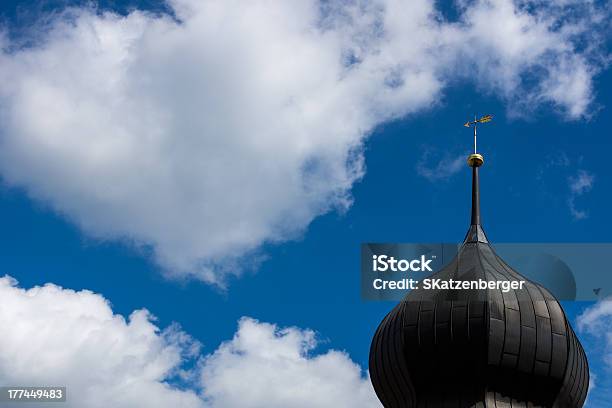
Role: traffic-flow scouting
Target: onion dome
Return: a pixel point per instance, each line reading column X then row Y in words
column 478, row 348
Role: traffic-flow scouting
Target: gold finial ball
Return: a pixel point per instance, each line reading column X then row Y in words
column 475, row 160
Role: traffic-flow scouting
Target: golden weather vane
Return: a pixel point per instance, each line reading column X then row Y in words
column 476, row 160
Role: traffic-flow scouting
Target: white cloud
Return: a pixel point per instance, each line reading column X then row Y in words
column 446, row 167
column 263, row 366
column 204, row 139
column 597, row 320
column 595, row 327
column 58, row 336
column 592, row 387
column 582, row 182
column 579, row 184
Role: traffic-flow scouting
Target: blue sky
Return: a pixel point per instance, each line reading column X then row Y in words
column 312, row 280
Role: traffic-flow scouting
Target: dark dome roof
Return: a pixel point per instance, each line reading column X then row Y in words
column 486, row 348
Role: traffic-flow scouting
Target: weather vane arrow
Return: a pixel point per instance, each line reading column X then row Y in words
column 476, row 160
column 484, row 119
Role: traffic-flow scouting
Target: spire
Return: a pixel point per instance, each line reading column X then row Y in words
column 475, row 191
column 475, row 160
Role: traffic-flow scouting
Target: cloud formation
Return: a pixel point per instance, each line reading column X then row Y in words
column 597, row 320
column 264, row 366
column 595, row 326
column 446, row 167
column 203, row 136
column 579, row 184
column 59, row 337
column 63, row 337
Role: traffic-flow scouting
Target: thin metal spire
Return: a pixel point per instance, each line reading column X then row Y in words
column 476, row 160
